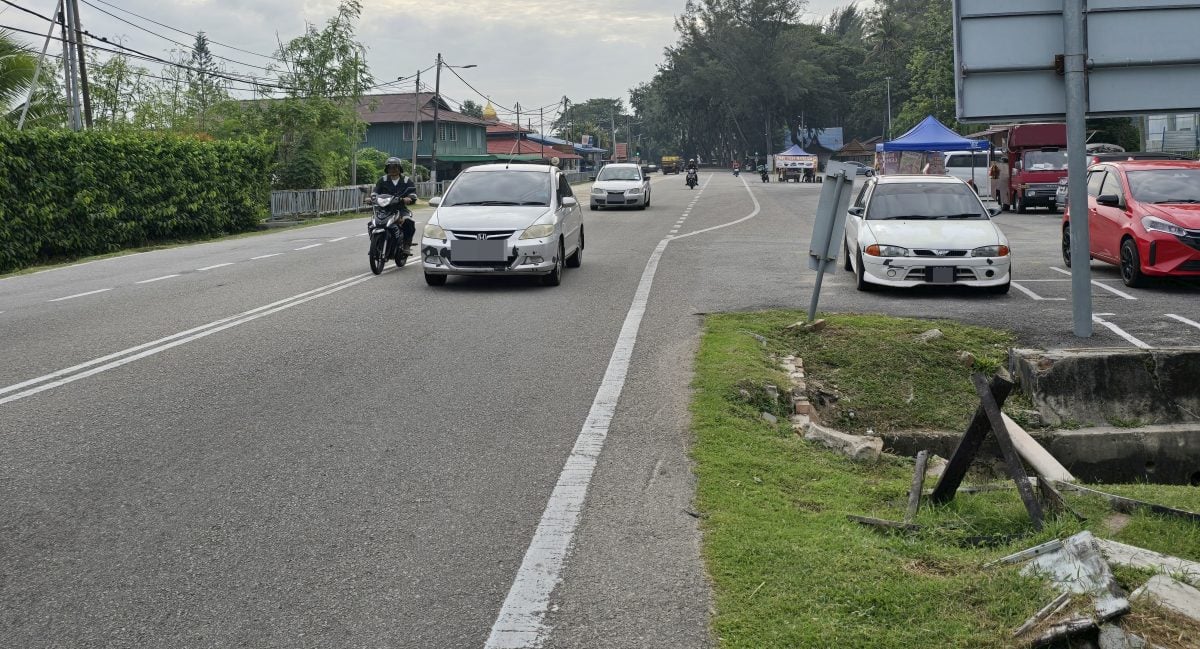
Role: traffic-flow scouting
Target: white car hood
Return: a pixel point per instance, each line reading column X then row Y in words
column 616, row 185
column 488, row 217
column 943, row 233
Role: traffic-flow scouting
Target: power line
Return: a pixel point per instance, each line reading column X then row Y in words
column 175, row 29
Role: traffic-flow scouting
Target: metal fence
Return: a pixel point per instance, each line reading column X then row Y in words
column 427, row 190
column 310, row 202
column 580, row 177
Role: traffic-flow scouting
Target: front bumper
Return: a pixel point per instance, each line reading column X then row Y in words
column 917, row 271
column 617, row 200
column 1165, row 254
column 1041, row 195
column 523, row 257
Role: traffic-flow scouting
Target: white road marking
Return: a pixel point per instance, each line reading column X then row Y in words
column 72, row 297
column 1096, row 283
column 69, row 375
column 1032, row 294
column 1120, row 332
column 521, row 621
column 157, row 279
column 1046, row 280
column 1169, row 315
column 229, row 263
column 361, row 234
column 274, row 254
column 338, row 239
column 314, row 245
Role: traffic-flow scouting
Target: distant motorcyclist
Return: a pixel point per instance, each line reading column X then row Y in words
column 691, row 164
column 395, row 183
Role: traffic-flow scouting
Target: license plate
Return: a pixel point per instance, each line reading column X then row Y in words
column 940, row 275
column 477, row 250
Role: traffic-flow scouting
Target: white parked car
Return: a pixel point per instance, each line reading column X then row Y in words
column 501, row 219
column 966, row 165
column 621, row 185
column 911, row 230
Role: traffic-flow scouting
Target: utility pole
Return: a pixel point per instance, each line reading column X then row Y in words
column 83, row 82
column 613, row 122
column 416, row 132
column 69, row 71
column 888, row 134
column 542, row 130
column 37, row 70
column 437, row 103
column 518, row 107
column 1075, row 77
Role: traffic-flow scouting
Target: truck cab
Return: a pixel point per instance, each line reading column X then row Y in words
column 1028, row 161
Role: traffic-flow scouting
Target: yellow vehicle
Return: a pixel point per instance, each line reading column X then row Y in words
column 671, row 164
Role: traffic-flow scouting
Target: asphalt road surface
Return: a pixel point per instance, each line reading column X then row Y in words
column 256, row 443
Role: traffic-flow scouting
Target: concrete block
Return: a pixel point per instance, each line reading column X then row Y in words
column 1172, row 595
column 930, row 336
column 803, row 407
column 769, row 418
column 799, row 422
column 860, row 449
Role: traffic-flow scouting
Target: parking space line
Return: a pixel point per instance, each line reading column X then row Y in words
column 1096, row 283
column 1120, row 332
column 157, row 279
column 1035, row 295
column 1183, row 320
column 274, row 254
column 216, row 266
column 72, row 297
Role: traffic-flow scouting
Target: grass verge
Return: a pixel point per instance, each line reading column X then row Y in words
column 788, row 568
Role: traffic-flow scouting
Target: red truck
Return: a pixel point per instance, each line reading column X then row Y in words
column 1027, row 162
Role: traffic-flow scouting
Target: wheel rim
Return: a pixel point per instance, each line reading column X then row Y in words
column 1066, row 245
column 1127, row 262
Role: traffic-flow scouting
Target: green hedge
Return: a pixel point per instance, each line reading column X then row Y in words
column 65, row 195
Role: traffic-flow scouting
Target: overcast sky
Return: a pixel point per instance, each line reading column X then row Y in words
column 528, row 51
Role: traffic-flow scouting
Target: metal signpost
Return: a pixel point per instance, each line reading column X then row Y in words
column 830, row 225
column 1072, row 59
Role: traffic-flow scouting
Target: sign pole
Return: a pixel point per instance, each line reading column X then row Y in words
column 829, row 226
column 1074, row 59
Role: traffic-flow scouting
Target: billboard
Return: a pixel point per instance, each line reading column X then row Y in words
column 817, row 139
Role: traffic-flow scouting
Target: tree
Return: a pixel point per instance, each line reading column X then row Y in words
column 472, row 109
column 17, row 65
column 204, row 88
column 930, row 70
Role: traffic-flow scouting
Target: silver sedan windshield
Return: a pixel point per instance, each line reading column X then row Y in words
column 500, row 188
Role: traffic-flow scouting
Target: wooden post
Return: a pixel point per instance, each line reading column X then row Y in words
column 1012, row 461
column 968, row 446
column 918, row 484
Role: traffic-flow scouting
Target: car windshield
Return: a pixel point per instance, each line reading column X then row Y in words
column 618, row 173
column 1165, row 185
column 504, row 187
column 924, row 201
column 1045, row 160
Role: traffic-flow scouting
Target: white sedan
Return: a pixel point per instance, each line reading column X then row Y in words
column 621, row 185
column 910, row 230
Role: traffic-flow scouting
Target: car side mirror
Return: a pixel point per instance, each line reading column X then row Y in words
column 1111, row 200
column 435, row 201
column 856, row 211
column 569, row 201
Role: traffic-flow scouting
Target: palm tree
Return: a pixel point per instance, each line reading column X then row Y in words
column 17, row 65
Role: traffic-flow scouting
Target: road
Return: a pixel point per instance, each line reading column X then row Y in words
column 255, row 442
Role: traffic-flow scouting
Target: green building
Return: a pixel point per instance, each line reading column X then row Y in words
column 462, row 139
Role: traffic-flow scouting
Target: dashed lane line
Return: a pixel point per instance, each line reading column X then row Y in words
column 72, row 297
column 228, row 263
column 310, row 246
column 274, row 254
column 157, row 279
column 1035, row 295
column 338, row 239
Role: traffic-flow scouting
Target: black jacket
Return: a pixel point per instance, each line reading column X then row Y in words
column 404, row 187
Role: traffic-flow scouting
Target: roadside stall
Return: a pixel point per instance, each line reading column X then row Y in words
column 922, row 149
column 796, row 164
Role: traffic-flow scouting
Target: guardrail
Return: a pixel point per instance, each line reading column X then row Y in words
column 301, row 202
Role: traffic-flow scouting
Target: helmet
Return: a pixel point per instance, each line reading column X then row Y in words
column 394, row 162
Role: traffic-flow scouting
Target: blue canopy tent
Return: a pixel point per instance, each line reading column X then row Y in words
column 931, row 135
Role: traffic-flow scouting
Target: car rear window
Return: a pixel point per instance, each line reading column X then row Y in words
column 503, row 187
column 1165, row 185
column 922, row 200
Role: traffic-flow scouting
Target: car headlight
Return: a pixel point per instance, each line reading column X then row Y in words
column 598, row 190
column 538, row 231
column 990, row 251
column 434, row 231
column 876, row 250
column 635, row 190
column 1159, row 225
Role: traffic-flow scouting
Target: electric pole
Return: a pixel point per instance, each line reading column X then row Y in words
column 437, row 103
column 416, row 132
column 613, row 123
column 889, row 109
column 69, row 74
column 542, row 130
column 83, row 82
column 37, row 70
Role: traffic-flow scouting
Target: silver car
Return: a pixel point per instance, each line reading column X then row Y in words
column 621, row 185
column 515, row 219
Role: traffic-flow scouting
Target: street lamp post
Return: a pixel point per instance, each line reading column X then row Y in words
column 889, row 109
column 437, row 104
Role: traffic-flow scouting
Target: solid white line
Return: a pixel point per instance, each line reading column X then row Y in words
column 757, row 209
column 157, row 279
column 521, row 621
column 1169, row 315
column 230, row 263
column 361, row 234
column 175, row 340
column 1120, row 332
column 338, row 239
column 274, row 254
column 1096, row 283
column 1026, row 291
column 160, row 341
column 72, row 297
column 309, row 246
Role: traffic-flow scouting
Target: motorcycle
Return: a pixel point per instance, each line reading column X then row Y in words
column 692, row 180
column 737, row 172
column 385, row 232
column 766, row 178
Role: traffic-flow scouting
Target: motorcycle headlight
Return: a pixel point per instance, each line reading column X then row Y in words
column 990, row 251
column 635, row 190
column 1159, row 225
column 434, row 231
column 876, row 250
column 538, row 231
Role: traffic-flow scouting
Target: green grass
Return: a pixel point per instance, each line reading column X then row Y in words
column 788, row 568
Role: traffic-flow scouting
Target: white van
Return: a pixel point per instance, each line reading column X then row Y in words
column 960, row 164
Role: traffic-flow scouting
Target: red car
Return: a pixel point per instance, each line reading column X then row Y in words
column 1144, row 216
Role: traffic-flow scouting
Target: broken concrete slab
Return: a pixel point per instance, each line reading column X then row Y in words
column 1114, row 637
column 1161, row 454
column 1100, row 386
column 859, row 449
column 1079, row 567
column 1172, row 595
column 1135, row 557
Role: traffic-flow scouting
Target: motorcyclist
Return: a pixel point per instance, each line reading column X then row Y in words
column 395, row 183
column 691, row 165
column 689, row 171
